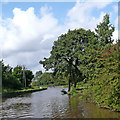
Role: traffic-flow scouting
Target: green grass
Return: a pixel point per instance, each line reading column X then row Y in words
column 64, row 86
column 23, row 90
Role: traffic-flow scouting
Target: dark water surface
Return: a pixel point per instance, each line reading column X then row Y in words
column 51, row 103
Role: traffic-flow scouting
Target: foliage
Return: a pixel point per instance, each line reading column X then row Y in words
column 8, row 80
column 45, row 79
column 29, row 77
column 106, row 87
column 73, row 92
column 37, row 75
column 35, row 84
column 104, row 31
column 103, row 81
column 60, row 79
column 66, row 54
column 13, row 78
column 18, row 73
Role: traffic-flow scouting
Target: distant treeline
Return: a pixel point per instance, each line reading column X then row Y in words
column 15, row 78
column 47, row 79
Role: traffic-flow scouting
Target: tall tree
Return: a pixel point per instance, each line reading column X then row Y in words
column 18, row 73
column 65, row 54
column 103, row 37
column 104, row 31
column 29, row 76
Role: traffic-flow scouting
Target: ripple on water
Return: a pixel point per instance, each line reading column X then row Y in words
column 16, row 107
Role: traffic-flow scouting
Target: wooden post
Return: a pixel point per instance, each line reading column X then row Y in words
column 24, row 77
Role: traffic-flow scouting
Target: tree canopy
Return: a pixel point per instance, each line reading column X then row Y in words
column 66, row 53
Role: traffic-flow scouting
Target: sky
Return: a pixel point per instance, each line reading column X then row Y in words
column 28, row 29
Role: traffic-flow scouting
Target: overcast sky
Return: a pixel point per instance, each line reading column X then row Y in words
column 29, row 29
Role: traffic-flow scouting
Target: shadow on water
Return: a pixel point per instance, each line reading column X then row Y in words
column 51, row 103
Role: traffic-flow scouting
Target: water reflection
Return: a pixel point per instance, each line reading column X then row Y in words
column 51, row 103
column 94, row 111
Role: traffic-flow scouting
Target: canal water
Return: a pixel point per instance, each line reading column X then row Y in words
column 51, row 103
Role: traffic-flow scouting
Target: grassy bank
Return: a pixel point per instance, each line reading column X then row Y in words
column 64, row 86
column 9, row 93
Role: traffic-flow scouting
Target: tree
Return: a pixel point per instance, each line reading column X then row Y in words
column 104, row 31
column 45, row 79
column 9, row 81
column 60, row 79
column 37, row 75
column 66, row 52
column 29, row 76
column 18, row 73
column 93, row 50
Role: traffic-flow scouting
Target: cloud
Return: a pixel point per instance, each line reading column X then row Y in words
column 45, row 10
column 26, row 38
column 116, row 23
column 80, row 16
column 115, row 36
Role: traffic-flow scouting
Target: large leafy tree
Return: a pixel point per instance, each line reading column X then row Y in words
column 66, row 54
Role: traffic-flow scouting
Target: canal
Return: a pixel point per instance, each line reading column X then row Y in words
column 51, row 103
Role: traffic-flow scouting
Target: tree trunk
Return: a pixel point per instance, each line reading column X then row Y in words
column 69, row 82
column 69, row 86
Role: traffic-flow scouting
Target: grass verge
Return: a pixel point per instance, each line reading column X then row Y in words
column 11, row 93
